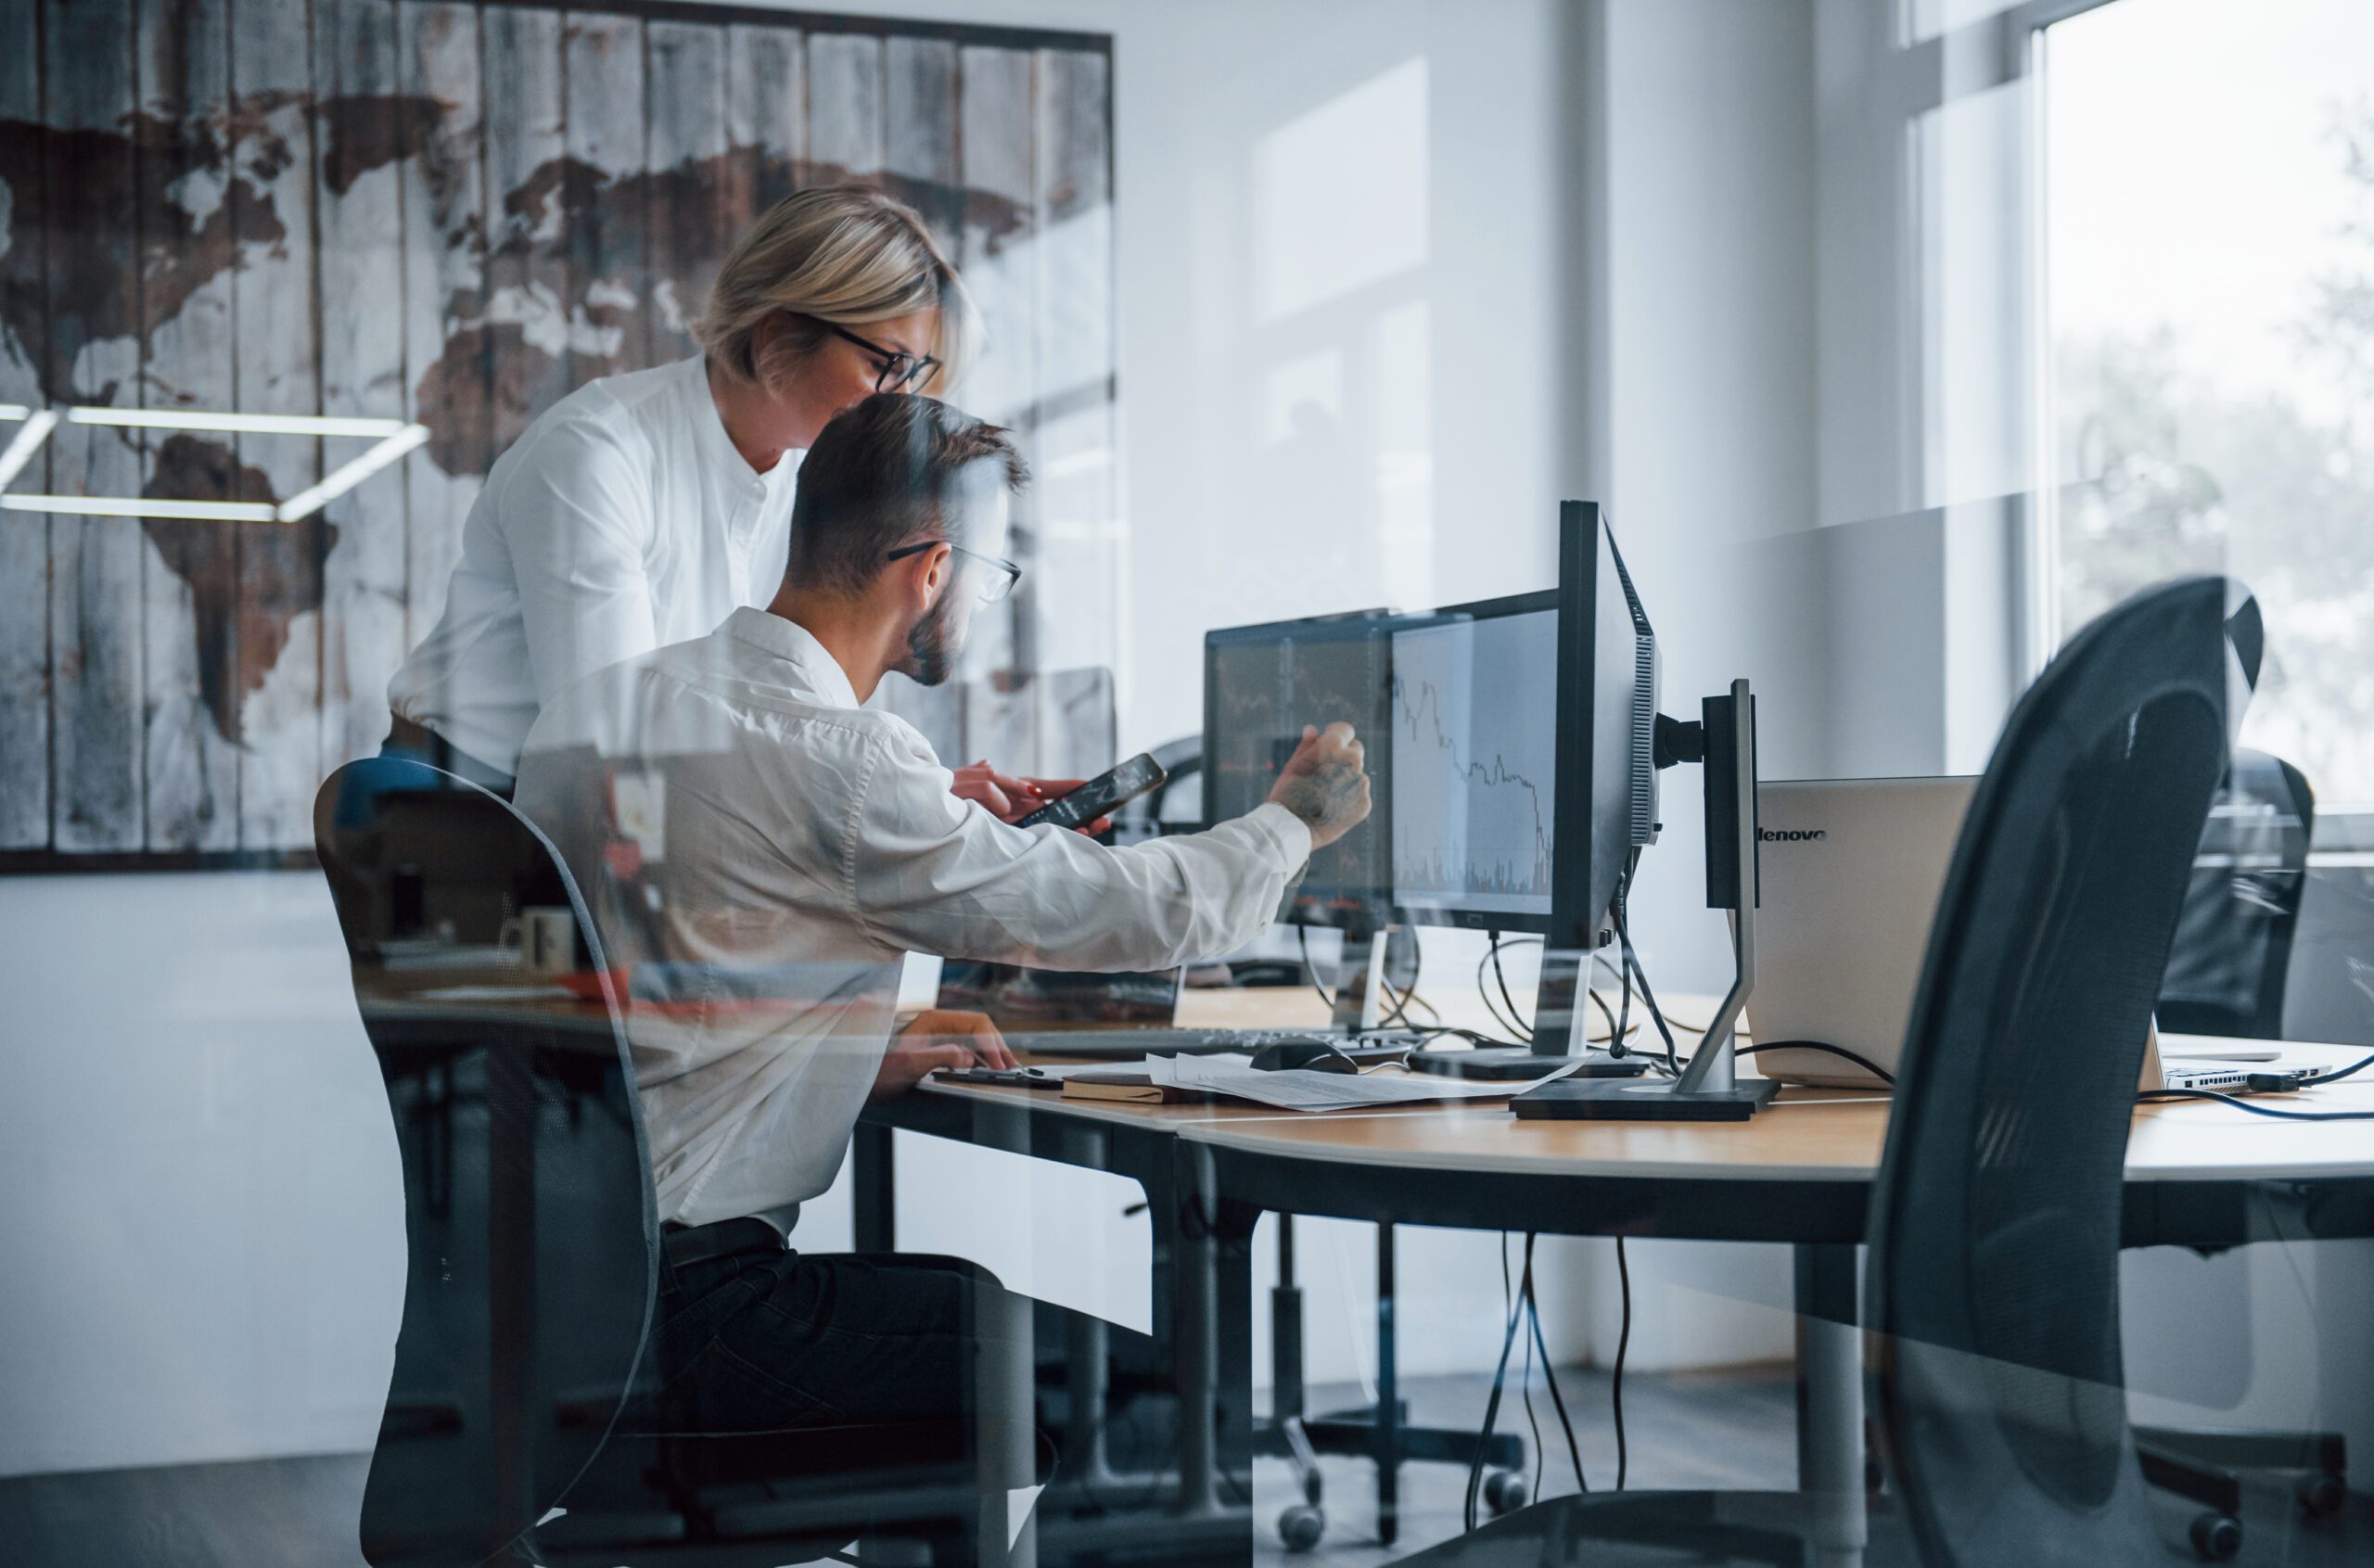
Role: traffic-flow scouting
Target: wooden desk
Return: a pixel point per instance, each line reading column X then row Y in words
column 2199, row 1174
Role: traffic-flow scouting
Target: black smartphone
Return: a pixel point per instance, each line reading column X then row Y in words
column 1100, row 794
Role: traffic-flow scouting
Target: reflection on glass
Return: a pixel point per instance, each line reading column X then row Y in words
column 2209, row 280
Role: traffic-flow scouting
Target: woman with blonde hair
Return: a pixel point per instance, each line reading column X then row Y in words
column 645, row 508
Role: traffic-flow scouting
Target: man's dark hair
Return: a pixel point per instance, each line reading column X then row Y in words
column 880, row 475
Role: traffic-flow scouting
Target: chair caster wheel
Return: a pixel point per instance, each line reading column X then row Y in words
column 1300, row 1527
column 2216, row 1536
column 2321, row 1495
column 1505, row 1491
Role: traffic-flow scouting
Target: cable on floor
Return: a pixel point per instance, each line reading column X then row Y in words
column 1491, row 1417
column 1550, row 1371
column 1623, row 1343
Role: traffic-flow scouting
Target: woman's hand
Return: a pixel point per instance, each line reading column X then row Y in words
column 933, row 1040
column 1008, row 800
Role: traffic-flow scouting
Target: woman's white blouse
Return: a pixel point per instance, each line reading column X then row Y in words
column 623, row 520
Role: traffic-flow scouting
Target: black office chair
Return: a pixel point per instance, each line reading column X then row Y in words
column 2227, row 975
column 524, row 1382
column 2233, row 956
column 1993, row 1272
column 1999, row 1389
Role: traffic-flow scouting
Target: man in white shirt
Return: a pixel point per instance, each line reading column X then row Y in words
column 760, row 853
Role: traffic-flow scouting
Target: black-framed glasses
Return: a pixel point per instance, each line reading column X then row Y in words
column 996, row 588
column 898, row 369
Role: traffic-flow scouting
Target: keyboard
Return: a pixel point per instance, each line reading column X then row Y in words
column 1130, row 1044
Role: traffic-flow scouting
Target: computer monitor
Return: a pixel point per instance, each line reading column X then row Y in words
column 1472, row 764
column 1607, row 723
column 1522, row 761
column 1261, row 686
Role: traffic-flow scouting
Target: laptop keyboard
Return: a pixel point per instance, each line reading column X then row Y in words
column 1134, row 1043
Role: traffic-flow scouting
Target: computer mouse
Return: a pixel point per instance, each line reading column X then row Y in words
column 1315, row 1055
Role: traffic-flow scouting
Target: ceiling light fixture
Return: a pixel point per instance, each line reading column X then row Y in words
column 392, row 438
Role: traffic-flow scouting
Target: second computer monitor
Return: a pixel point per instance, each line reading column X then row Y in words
column 1262, row 686
column 1473, row 764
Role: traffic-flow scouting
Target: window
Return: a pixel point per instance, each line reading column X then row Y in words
column 2209, row 243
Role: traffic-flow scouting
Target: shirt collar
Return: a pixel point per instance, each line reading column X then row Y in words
column 772, row 635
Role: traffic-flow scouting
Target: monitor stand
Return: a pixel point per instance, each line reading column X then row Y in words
column 1359, row 981
column 1554, row 1038
column 1710, row 1087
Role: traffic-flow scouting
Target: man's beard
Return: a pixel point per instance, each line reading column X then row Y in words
column 931, row 656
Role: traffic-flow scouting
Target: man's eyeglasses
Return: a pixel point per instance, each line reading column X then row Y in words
column 1001, row 584
column 896, row 369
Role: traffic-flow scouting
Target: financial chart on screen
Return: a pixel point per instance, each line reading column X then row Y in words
column 1264, row 685
column 1474, row 749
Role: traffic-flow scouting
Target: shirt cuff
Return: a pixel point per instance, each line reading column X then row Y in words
column 1288, row 831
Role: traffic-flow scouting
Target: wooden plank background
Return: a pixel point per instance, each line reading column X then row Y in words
column 457, row 212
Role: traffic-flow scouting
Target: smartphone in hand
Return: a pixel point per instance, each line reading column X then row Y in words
column 1100, row 795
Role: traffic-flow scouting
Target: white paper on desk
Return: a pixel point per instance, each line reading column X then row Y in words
column 1302, row 1088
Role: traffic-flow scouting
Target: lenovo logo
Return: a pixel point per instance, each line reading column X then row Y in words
column 1792, row 836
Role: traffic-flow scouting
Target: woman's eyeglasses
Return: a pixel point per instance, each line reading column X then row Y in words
column 896, row 369
column 1006, row 574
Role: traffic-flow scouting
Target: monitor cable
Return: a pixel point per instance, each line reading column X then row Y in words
column 1623, row 1343
column 2276, row 1083
column 1302, row 940
column 1524, row 1379
column 1637, row 976
column 1491, row 1419
column 1550, row 1374
column 1507, row 1021
column 1512, row 1020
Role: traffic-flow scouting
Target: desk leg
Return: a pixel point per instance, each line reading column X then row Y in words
column 1830, row 1404
column 1211, row 1313
column 874, row 1197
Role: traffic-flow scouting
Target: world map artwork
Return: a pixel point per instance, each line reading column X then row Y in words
column 523, row 333
column 424, row 249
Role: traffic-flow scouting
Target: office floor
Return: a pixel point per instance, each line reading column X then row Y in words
column 1733, row 1429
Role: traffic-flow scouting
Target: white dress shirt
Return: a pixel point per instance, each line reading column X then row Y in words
column 761, row 854
column 622, row 519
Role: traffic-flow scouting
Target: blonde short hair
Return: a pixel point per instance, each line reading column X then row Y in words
column 842, row 254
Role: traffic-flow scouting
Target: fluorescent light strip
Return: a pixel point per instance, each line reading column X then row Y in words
column 305, row 502
column 28, row 441
column 111, row 506
column 254, row 424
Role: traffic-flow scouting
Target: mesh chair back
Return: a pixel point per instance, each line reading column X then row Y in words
column 528, row 1220
column 2233, row 956
column 1995, row 1228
